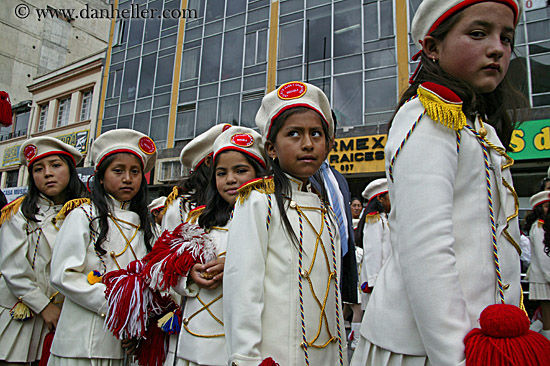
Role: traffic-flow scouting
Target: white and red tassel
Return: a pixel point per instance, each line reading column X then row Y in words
column 129, row 299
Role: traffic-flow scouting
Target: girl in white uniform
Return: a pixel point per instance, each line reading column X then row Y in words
column 453, row 221
column 281, row 293
column 191, row 193
column 97, row 237
column 27, row 235
column 539, row 270
column 238, row 158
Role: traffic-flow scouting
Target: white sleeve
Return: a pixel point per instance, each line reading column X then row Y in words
column 172, row 217
column 243, row 282
column 537, row 242
column 69, row 262
column 372, row 251
column 15, row 265
column 423, row 189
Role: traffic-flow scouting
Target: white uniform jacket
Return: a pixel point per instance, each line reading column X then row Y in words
column 26, row 251
column 262, row 287
column 202, row 338
column 176, row 213
column 376, row 249
column 80, row 331
column 441, row 272
column 539, row 270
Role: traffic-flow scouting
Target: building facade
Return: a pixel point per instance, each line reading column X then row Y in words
column 206, row 62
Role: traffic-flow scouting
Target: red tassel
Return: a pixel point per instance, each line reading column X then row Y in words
column 152, row 348
column 505, row 340
column 174, row 253
column 268, row 362
column 6, row 117
column 129, row 299
column 48, row 339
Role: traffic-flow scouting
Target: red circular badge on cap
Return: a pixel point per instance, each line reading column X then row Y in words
column 29, row 152
column 242, row 140
column 147, row 145
column 292, row 90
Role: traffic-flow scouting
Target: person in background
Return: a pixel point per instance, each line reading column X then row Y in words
column 156, row 208
column 356, row 209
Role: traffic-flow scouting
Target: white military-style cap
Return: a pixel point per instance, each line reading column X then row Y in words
column 291, row 95
column 375, row 188
column 39, row 147
column 157, row 204
column 242, row 139
column 431, row 13
column 197, row 150
column 125, row 141
column 539, row 198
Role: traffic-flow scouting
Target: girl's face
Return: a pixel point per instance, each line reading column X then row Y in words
column 232, row 171
column 356, row 208
column 51, row 176
column 545, row 206
column 122, row 178
column 385, row 201
column 300, row 145
column 478, row 47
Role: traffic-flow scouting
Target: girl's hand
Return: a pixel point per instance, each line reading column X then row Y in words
column 50, row 314
column 215, row 268
column 130, row 345
column 198, row 274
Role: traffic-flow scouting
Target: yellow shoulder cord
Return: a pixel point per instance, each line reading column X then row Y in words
column 128, row 242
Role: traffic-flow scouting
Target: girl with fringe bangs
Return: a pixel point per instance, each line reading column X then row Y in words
column 96, row 237
column 29, row 305
column 281, row 294
column 238, row 158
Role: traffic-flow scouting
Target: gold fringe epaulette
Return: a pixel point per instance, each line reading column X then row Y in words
column 442, row 105
column 540, row 223
column 171, row 198
column 9, row 210
column 264, row 185
column 194, row 214
column 69, row 206
column 372, row 217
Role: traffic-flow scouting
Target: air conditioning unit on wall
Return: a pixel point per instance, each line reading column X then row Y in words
column 169, row 171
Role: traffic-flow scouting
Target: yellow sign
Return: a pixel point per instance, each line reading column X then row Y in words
column 363, row 154
column 11, row 155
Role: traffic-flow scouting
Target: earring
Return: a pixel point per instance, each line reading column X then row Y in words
column 433, row 59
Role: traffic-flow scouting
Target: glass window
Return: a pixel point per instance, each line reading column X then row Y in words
column 11, row 178
column 63, row 112
column 152, row 28
column 185, row 124
column 210, row 64
column 22, row 122
column 320, row 30
column 249, row 109
column 190, row 64
column 43, row 117
column 206, row 115
column 348, row 99
column 233, row 54
column 229, row 109
column 142, row 121
column 165, row 71
column 380, row 95
column 290, row 40
column 85, row 107
column 136, row 32
column 159, row 129
column 347, row 28
column 147, row 75
column 214, row 10
column 129, row 80
column 386, row 13
column 540, row 69
column 235, row 7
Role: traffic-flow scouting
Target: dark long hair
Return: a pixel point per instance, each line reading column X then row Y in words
column 195, row 184
column 530, row 218
column 217, row 211
column 374, row 205
column 75, row 189
column 546, row 228
column 283, row 189
column 494, row 106
column 102, row 201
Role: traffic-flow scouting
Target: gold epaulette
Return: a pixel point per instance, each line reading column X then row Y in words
column 69, row 206
column 372, row 217
column 194, row 214
column 264, row 185
column 9, row 210
column 442, row 105
column 171, row 198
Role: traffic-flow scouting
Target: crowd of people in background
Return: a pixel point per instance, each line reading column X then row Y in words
column 277, row 254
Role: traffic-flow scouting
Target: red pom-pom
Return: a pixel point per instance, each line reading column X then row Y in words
column 505, row 340
column 6, row 118
column 268, row 362
column 48, row 339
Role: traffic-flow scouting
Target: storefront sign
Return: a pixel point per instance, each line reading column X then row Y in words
column 363, row 154
column 77, row 139
column 14, row 192
column 531, row 140
column 11, row 155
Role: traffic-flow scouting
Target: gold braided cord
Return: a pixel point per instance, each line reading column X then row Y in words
column 207, row 308
column 9, row 210
column 521, row 304
column 322, row 306
column 128, row 242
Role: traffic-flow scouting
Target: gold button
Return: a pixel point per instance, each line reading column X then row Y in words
column 292, row 204
column 482, row 132
column 303, row 345
column 102, row 315
column 304, row 274
column 506, row 286
column 234, row 363
column 185, row 321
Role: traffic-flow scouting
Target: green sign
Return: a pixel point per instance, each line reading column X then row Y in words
column 531, row 140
